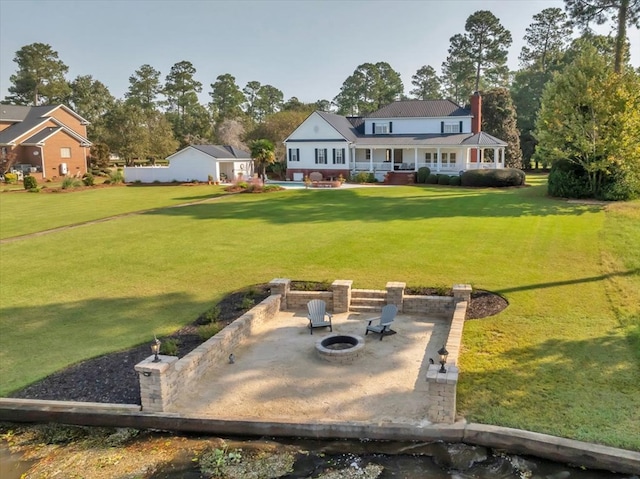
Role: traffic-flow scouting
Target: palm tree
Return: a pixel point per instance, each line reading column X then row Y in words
column 262, row 152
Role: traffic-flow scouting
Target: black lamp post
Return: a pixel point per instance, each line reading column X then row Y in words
column 443, row 358
column 155, row 349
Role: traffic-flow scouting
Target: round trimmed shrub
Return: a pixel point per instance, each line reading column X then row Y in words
column 443, row 179
column 498, row 178
column 432, row 179
column 29, row 182
column 455, row 181
column 568, row 180
column 423, row 174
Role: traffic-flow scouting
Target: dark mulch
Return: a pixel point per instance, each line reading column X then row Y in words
column 112, row 379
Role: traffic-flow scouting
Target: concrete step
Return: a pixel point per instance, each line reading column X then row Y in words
column 365, row 309
column 368, row 293
column 368, row 301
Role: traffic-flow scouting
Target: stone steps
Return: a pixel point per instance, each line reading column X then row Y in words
column 367, row 300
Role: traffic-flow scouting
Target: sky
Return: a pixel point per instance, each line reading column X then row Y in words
column 306, row 48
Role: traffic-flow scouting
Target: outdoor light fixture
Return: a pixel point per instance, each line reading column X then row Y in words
column 155, row 349
column 443, row 358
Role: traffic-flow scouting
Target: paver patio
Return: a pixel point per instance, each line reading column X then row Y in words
column 277, row 375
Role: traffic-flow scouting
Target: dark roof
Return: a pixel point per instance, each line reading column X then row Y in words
column 341, row 124
column 420, row 109
column 27, row 118
column 358, row 123
column 223, row 151
column 42, row 135
column 454, row 139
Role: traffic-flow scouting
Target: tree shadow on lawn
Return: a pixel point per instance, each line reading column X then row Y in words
column 586, row 388
column 351, row 205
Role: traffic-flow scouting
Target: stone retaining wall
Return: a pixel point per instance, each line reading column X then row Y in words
column 161, row 382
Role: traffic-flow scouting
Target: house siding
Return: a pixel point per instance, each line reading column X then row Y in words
column 76, row 165
column 70, row 121
column 416, row 126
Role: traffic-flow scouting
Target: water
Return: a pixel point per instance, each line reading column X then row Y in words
column 11, row 465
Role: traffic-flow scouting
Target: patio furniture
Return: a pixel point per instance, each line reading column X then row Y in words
column 317, row 314
column 388, row 315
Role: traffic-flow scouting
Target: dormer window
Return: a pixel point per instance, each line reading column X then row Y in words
column 452, row 128
column 382, row 129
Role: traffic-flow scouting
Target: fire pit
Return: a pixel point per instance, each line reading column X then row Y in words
column 340, row 348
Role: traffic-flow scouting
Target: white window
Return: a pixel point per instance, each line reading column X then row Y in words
column 321, row 156
column 338, row 156
column 452, row 127
column 294, row 154
column 367, row 155
column 444, row 157
column 452, row 159
column 65, row 152
column 382, row 129
column 427, row 157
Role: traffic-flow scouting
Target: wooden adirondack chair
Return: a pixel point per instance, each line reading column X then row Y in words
column 388, row 315
column 317, row 314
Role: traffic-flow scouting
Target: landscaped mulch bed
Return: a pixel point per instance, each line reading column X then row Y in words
column 112, row 379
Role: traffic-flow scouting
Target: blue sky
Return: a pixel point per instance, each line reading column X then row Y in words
column 306, row 48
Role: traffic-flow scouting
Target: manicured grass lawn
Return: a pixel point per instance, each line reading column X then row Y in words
column 563, row 358
column 24, row 212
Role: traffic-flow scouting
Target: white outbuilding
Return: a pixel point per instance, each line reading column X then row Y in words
column 196, row 163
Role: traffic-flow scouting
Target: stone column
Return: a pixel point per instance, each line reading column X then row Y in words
column 157, row 387
column 442, row 394
column 341, row 295
column 462, row 292
column 395, row 294
column 281, row 286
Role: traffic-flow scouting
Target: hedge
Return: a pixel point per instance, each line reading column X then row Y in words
column 493, row 178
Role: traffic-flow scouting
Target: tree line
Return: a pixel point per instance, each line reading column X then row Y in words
column 158, row 116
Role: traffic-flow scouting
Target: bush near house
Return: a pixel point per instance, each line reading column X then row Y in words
column 568, row 180
column 10, row 178
column 455, row 180
column 30, row 182
column 493, row 178
column 432, row 179
column 423, row 174
column 443, row 179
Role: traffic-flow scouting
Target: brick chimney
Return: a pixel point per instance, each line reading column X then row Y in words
column 476, row 112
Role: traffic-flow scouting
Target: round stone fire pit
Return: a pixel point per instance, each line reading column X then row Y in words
column 340, row 348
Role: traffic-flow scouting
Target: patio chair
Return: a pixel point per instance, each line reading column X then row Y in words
column 317, row 314
column 388, row 315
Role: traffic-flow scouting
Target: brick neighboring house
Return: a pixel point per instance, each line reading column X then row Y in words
column 47, row 141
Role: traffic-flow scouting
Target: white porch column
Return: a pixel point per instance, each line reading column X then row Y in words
column 415, row 159
column 216, row 171
column 371, row 160
column 439, row 164
column 495, row 158
column 478, row 156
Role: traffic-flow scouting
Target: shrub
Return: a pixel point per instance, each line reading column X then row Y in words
column 432, row 179
column 116, row 177
column 10, row 178
column 209, row 316
column 30, row 182
column 423, row 174
column 247, row 303
column 209, row 330
column 88, row 179
column 455, row 180
column 268, row 188
column 568, row 180
column 169, row 347
column 622, row 185
column 213, row 462
column 360, row 177
column 443, row 179
column 70, row 182
column 493, row 178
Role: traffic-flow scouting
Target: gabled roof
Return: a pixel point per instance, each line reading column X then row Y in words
column 483, row 139
column 431, row 140
column 420, row 109
column 17, row 113
column 42, row 135
column 341, row 124
column 218, row 151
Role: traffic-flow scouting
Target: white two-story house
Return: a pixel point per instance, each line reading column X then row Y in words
column 394, row 141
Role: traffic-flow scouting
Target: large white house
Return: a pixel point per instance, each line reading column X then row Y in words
column 396, row 140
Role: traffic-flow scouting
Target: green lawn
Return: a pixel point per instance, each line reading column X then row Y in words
column 563, row 358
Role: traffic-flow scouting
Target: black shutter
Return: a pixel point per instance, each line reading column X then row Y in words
column 325, row 156
column 289, row 154
column 390, row 127
column 373, row 128
column 297, row 154
column 460, row 127
column 334, row 156
column 344, row 159
column 442, row 127
column 316, row 156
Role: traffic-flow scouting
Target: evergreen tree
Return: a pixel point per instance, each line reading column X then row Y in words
column 144, row 87
column 369, row 88
column 457, row 74
column 40, row 77
column 484, row 45
column 226, row 98
column 269, row 101
column 251, row 98
column 426, row 83
column 91, row 100
column 546, row 39
column 181, row 90
column 499, row 120
column 623, row 12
